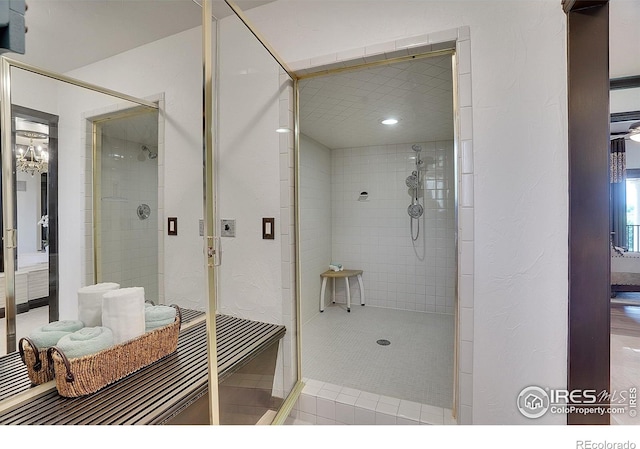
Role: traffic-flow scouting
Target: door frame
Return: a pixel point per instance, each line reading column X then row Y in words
column 588, row 87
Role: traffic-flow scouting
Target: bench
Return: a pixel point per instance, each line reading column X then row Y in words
column 173, row 390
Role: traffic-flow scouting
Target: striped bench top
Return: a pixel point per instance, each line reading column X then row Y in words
column 151, row 395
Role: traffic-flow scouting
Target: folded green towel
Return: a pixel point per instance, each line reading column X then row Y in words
column 49, row 334
column 87, row 340
column 158, row 316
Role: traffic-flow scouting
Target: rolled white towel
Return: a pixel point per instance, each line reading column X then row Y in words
column 90, row 302
column 158, row 316
column 335, row 266
column 49, row 334
column 123, row 313
column 87, row 340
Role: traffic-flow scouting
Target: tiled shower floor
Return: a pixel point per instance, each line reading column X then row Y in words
column 340, row 348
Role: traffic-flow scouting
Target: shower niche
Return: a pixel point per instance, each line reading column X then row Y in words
column 125, row 200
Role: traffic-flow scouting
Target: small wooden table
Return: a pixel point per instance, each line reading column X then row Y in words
column 346, row 274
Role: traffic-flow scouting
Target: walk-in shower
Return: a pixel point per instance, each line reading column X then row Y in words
column 410, row 284
column 126, row 201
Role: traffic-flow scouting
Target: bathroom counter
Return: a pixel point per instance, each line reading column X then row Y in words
column 32, row 282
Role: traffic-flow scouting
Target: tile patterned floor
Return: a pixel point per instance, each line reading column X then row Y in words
column 340, row 348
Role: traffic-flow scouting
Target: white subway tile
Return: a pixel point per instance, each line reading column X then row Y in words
column 307, row 403
column 466, row 389
column 321, row 421
column 385, row 419
column 464, row 56
column 307, row 417
column 366, row 403
column 345, row 414
column 364, row 416
column 326, row 408
column 466, row 357
column 464, row 90
column 406, row 421
column 409, row 410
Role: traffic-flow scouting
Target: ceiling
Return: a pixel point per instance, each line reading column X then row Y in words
column 339, row 111
column 66, row 34
column 345, row 110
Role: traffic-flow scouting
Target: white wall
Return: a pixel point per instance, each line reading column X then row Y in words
column 624, row 38
column 315, row 222
column 519, row 190
column 248, row 175
column 375, row 235
column 254, row 168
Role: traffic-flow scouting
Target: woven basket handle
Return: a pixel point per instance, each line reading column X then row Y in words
column 179, row 312
column 38, row 365
column 69, row 377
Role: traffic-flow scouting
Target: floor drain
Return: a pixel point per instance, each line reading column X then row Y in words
column 383, row 342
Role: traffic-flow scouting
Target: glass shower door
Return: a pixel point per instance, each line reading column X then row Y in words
column 254, row 211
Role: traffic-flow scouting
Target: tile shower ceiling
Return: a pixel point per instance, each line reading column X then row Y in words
column 344, row 110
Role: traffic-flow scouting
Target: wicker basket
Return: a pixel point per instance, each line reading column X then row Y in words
column 88, row 374
column 38, row 366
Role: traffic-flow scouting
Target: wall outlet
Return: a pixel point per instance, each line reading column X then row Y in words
column 227, row 228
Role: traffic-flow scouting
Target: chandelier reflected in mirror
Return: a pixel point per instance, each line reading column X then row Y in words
column 34, row 158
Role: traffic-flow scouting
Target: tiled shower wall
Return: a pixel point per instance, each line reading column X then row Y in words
column 315, row 221
column 129, row 245
column 373, row 233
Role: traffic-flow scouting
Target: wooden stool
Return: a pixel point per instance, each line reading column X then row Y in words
column 346, row 274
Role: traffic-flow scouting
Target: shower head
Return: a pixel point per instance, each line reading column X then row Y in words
column 417, row 148
column 415, row 210
column 152, row 154
column 412, row 180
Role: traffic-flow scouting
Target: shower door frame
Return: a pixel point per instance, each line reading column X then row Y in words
column 95, row 123
column 352, row 65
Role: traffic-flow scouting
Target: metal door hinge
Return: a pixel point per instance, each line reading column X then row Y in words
column 214, row 251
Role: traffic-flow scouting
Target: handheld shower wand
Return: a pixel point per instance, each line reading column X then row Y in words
column 415, row 209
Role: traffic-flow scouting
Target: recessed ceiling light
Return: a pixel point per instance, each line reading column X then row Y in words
column 389, row 121
column 283, row 130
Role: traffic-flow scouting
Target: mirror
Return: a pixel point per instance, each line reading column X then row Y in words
column 32, row 157
column 35, row 137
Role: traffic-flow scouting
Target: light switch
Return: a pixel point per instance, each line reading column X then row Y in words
column 268, row 231
column 172, row 225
